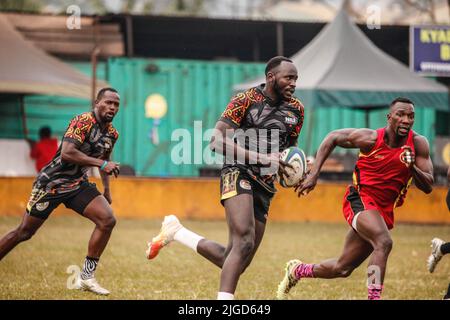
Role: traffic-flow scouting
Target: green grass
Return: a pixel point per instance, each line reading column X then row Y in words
column 37, row 269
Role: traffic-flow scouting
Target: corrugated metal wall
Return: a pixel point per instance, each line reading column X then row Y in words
column 10, row 117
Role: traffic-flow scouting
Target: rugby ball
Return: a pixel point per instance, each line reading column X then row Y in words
column 295, row 157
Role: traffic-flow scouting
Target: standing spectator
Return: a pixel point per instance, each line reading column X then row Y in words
column 43, row 150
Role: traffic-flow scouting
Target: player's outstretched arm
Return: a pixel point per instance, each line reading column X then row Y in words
column 421, row 165
column 363, row 139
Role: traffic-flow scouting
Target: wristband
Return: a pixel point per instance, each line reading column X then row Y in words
column 104, row 165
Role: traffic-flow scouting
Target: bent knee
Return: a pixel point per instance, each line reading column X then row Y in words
column 246, row 245
column 110, row 222
column 107, row 222
column 24, row 234
column 384, row 243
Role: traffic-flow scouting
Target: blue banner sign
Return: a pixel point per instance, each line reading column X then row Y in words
column 430, row 50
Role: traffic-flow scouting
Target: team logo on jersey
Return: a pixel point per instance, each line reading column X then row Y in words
column 245, row 185
column 105, row 145
column 290, row 120
column 406, row 157
column 42, row 206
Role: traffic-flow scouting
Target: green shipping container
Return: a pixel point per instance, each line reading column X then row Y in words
column 196, row 93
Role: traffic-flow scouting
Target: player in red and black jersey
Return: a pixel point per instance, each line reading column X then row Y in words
column 389, row 159
column 254, row 128
column 87, row 142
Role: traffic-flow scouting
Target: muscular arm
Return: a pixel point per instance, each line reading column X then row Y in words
column 422, row 168
column 222, row 143
column 70, row 153
column 364, row 139
column 105, row 180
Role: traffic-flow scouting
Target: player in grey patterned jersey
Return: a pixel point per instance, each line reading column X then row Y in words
column 87, row 142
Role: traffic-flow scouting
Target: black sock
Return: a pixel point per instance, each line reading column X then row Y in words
column 90, row 264
column 445, row 248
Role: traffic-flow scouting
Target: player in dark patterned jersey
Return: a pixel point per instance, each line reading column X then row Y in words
column 389, row 159
column 87, row 142
column 254, row 128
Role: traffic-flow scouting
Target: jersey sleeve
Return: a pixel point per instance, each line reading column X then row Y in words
column 300, row 112
column 114, row 134
column 78, row 129
column 235, row 110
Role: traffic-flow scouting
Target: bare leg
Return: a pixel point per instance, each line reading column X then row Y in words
column 216, row 253
column 372, row 228
column 100, row 212
column 23, row 232
column 355, row 251
column 241, row 224
column 213, row 251
column 260, row 227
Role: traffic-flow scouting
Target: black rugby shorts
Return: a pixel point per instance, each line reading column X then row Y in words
column 42, row 203
column 234, row 182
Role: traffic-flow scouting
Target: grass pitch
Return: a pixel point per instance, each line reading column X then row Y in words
column 37, row 269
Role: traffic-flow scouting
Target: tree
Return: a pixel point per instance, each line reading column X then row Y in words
column 21, row 5
column 128, row 6
column 424, row 6
column 190, row 7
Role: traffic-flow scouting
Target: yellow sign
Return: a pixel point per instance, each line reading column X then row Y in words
column 446, row 154
column 155, row 106
column 435, row 35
